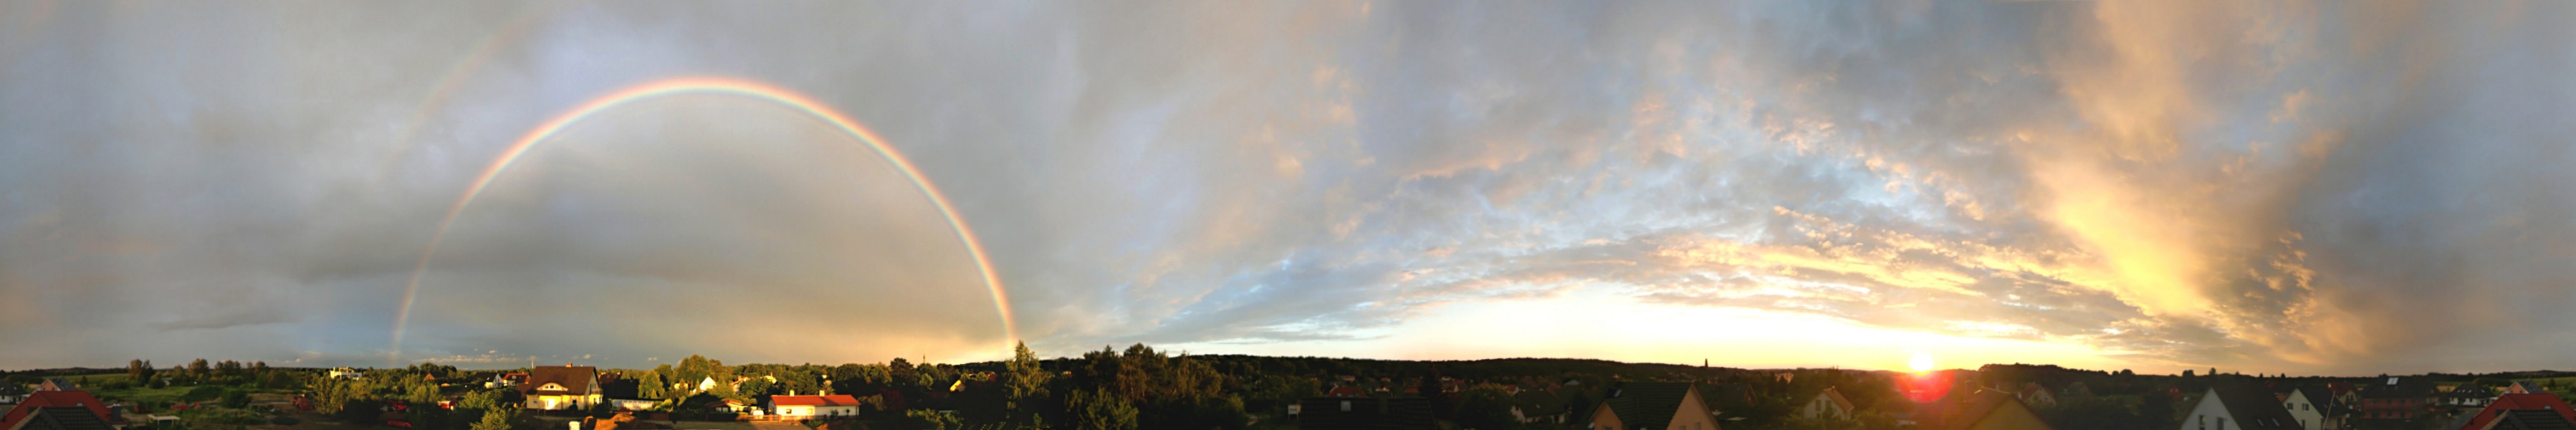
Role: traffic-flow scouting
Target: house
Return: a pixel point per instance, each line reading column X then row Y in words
column 60, row 418
column 1535, row 406
column 57, row 384
column 2530, row 420
column 12, row 393
column 1346, row 392
column 2523, row 387
column 1725, row 398
column 2397, row 399
column 2519, row 402
column 2466, row 396
column 2237, row 405
column 1828, row 405
column 2314, row 408
column 345, row 373
column 708, row 383
column 566, row 387
column 1985, row 410
column 1353, row 413
column 1652, row 405
column 813, row 406
column 41, row 400
column 2033, row 393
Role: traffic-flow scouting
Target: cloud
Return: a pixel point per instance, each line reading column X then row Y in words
column 2301, row 187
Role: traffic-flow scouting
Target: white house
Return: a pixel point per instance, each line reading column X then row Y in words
column 812, row 406
column 1828, row 405
column 2310, row 406
column 2228, row 407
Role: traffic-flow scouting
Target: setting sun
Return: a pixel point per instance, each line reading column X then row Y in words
column 1922, row 362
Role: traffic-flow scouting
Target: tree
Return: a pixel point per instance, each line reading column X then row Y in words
column 901, row 371
column 1098, row 410
column 1486, row 407
column 138, row 370
column 650, row 386
column 930, row 420
column 1027, row 380
column 197, row 370
column 496, row 419
column 484, row 400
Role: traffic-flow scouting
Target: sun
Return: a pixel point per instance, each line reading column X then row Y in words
column 1922, row 362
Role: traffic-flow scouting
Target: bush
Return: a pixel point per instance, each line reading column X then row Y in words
column 202, row 393
column 235, row 399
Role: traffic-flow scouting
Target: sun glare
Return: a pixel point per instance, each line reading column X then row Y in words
column 1922, row 362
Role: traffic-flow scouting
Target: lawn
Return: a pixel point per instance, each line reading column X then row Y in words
column 145, row 394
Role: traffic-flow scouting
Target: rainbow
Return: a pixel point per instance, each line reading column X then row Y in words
column 707, row 85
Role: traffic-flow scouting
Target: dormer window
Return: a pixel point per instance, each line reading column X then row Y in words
column 551, row 386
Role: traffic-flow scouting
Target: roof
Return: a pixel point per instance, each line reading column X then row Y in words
column 1347, row 392
column 832, row 400
column 2521, row 402
column 1727, row 397
column 45, row 399
column 2320, row 397
column 574, row 379
column 61, row 384
column 12, row 390
column 1401, row 413
column 2524, row 387
column 2399, row 387
column 63, row 418
column 2529, row 420
column 1965, row 411
column 1647, row 404
column 2253, row 407
column 1837, row 397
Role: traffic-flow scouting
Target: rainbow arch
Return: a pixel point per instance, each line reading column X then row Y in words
column 707, row 85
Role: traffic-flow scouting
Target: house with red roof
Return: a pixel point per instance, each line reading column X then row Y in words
column 1346, row 391
column 58, row 399
column 811, row 406
column 2520, row 402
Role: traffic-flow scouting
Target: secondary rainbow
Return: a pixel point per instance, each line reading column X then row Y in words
column 707, row 85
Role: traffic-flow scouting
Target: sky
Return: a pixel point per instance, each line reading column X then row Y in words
column 2296, row 187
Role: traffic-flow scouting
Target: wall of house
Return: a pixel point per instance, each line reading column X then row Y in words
column 2009, row 417
column 1603, row 418
column 2306, row 411
column 2209, row 415
column 1821, row 407
column 1694, row 414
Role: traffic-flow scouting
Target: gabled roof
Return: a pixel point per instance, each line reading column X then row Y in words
column 2320, row 397
column 2521, row 402
column 1727, row 397
column 12, row 390
column 2523, row 387
column 45, row 399
column 59, row 384
column 2253, row 407
column 1836, row 396
column 1347, row 392
column 1966, row 410
column 2399, row 387
column 574, row 379
column 1647, row 404
column 832, row 400
column 2529, row 420
column 63, row 418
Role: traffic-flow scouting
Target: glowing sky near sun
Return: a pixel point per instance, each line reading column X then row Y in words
column 2305, row 188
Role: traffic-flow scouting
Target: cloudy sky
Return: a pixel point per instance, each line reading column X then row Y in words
column 2337, row 188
